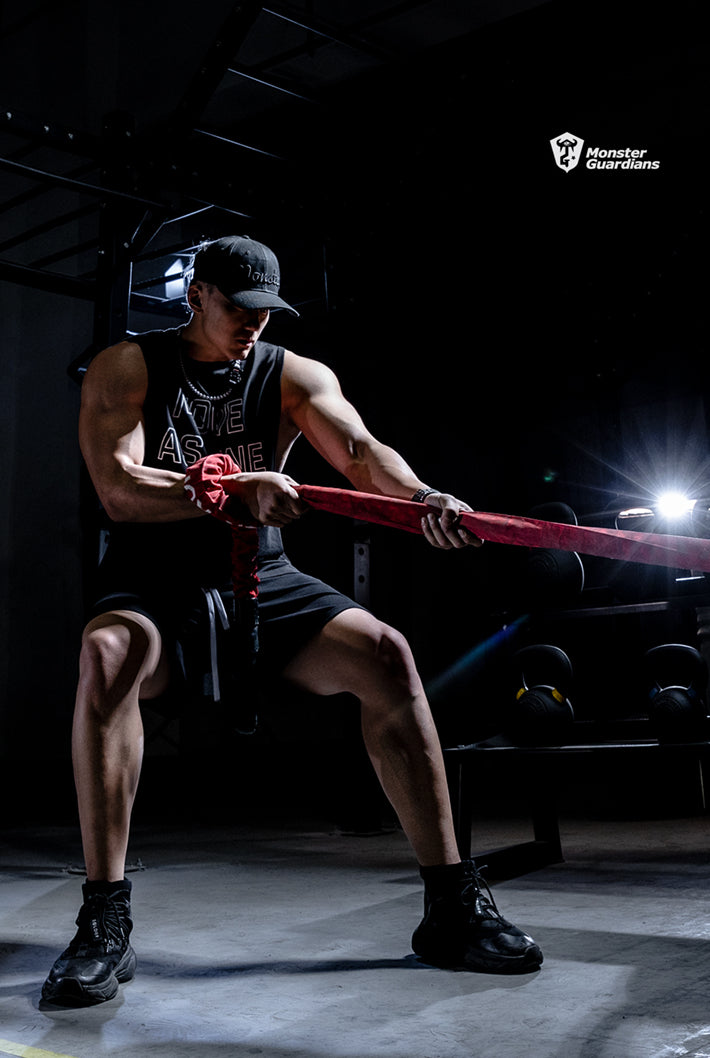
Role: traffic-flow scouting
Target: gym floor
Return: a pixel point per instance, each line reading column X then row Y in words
column 292, row 941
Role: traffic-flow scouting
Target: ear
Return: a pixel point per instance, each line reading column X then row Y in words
column 194, row 298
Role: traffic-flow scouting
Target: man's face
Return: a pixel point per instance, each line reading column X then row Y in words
column 231, row 330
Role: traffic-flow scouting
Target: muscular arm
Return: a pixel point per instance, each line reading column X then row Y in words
column 111, row 437
column 314, row 402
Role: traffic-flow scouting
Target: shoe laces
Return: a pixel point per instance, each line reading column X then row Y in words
column 103, row 922
column 476, row 894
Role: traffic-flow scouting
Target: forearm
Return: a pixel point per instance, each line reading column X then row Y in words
column 146, row 494
column 312, row 398
column 380, row 469
column 377, row 468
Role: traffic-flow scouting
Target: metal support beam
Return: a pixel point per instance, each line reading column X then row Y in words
column 272, row 84
column 33, row 193
column 48, row 134
column 117, row 223
column 52, row 282
column 214, row 67
column 348, row 39
column 47, row 226
column 361, row 563
column 56, row 180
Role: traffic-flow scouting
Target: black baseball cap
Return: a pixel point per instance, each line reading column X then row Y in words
column 244, row 270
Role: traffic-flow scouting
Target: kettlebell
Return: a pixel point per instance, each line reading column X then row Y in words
column 677, row 674
column 542, row 713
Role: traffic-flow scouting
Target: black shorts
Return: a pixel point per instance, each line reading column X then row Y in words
column 292, row 608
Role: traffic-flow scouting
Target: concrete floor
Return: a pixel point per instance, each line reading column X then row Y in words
column 293, row 942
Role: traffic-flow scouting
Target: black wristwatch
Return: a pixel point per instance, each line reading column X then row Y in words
column 421, row 494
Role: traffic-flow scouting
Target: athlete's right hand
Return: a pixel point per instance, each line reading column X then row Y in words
column 270, row 497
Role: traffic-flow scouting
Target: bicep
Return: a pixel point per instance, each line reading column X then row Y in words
column 111, row 417
column 330, row 422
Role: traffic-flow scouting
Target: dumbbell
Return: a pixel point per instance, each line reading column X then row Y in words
column 677, row 674
column 541, row 713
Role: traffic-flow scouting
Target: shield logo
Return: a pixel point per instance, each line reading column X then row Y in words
column 567, row 150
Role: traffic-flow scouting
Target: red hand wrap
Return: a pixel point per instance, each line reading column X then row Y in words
column 203, row 485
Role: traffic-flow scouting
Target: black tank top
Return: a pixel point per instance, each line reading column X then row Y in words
column 181, row 426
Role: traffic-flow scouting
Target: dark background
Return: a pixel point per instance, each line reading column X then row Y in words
column 522, row 335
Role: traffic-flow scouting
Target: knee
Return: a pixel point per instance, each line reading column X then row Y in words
column 390, row 663
column 113, row 661
column 394, row 652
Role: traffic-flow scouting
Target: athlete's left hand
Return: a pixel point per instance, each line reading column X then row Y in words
column 441, row 525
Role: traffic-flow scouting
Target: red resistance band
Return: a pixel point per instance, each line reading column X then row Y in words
column 678, row 552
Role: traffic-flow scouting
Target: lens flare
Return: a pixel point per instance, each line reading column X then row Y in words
column 672, row 505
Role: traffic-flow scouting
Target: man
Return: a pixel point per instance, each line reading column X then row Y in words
column 151, row 407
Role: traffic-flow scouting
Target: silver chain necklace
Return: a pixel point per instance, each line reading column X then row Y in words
column 233, row 379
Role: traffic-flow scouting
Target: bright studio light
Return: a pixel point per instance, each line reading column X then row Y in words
column 672, row 505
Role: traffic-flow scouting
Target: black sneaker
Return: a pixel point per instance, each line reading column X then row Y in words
column 462, row 929
column 99, row 957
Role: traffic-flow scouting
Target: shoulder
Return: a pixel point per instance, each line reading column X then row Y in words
column 306, row 376
column 116, row 373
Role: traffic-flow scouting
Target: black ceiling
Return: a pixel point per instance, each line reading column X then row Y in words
column 292, row 120
column 166, row 111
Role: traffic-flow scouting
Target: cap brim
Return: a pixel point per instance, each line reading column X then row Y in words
column 259, row 299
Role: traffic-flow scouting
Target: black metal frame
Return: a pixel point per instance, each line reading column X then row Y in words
column 136, row 184
column 537, row 768
column 539, row 765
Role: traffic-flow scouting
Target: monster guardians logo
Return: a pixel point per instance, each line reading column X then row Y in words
column 567, row 150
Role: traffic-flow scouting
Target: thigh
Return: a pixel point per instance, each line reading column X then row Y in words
column 354, row 652
column 294, row 608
